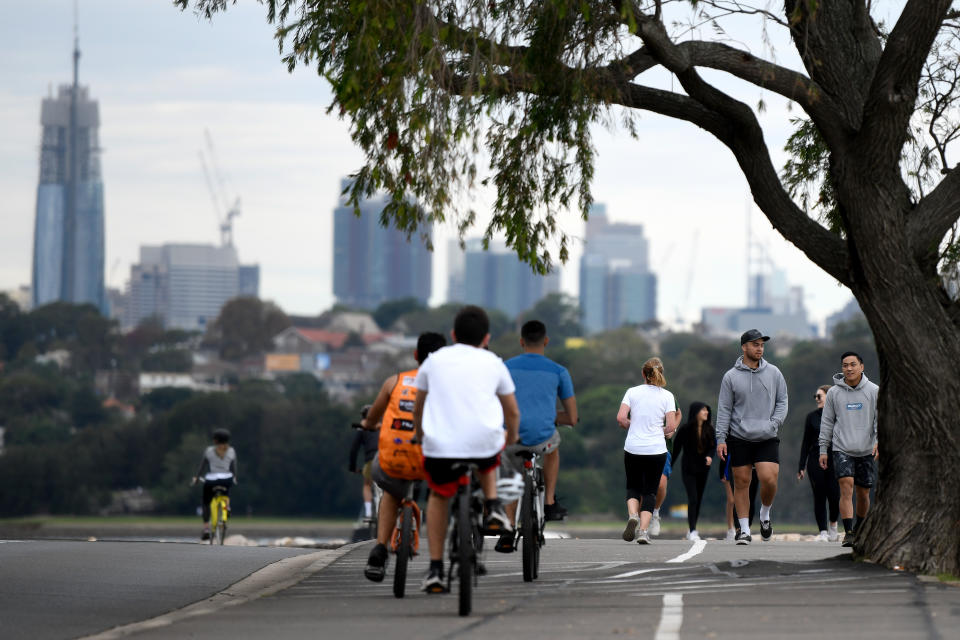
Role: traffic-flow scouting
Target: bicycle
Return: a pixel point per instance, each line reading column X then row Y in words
column 219, row 513
column 465, row 536
column 530, row 517
column 405, row 539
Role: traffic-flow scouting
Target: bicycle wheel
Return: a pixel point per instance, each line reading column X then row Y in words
column 528, row 531
column 465, row 551
column 404, row 550
column 221, row 529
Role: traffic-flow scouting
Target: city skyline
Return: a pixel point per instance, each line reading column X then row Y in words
column 161, row 84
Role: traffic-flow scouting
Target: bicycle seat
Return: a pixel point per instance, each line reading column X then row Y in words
column 526, row 454
column 219, row 488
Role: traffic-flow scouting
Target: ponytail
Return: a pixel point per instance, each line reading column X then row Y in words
column 653, row 372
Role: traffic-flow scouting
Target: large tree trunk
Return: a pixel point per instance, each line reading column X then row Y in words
column 915, row 522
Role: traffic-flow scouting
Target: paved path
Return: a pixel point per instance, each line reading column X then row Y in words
column 65, row 589
column 609, row 588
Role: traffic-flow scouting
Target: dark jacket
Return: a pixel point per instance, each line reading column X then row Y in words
column 369, row 441
column 695, row 460
column 811, row 437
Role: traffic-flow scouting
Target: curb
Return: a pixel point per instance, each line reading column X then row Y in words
column 267, row 581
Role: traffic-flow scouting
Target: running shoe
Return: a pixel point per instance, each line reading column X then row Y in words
column 654, row 529
column 766, row 530
column 693, row 536
column 848, row 539
column 832, row 534
column 506, row 543
column 205, row 535
column 743, row 538
column 822, row 537
column 434, row 582
column 555, row 511
column 630, row 533
column 376, row 567
column 643, row 537
column 496, row 520
column 731, row 535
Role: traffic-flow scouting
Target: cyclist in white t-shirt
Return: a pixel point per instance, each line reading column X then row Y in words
column 648, row 412
column 465, row 396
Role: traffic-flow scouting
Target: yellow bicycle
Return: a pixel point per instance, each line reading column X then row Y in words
column 219, row 513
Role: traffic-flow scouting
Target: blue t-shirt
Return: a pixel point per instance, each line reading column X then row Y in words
column 539, row 381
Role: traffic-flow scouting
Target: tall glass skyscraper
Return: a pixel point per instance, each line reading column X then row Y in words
column 68, row 238
column 616, row 285
column 373, row 264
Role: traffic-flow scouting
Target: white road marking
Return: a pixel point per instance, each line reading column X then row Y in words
column 638, row 572
column 671, row 618
column 694, row 550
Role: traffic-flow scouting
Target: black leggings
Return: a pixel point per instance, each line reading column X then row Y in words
column 643, row 478
column 208, row 486
column 694, row 483
column 826, row 491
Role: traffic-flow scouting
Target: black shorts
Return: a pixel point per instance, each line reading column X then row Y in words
column 744, row 453
column 443, row 479
column 862, row 469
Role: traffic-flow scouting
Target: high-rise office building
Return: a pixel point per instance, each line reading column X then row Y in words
column 186, row 285
column 496, row 278
column 372, row 263
column 616, row 285
column 68, row 241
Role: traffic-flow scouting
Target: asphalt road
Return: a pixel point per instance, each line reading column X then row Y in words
column 588, row 589
column 64, row 589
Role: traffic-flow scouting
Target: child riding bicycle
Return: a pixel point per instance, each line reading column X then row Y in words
column 218, row 467
column 465, row 397
column 399, row 462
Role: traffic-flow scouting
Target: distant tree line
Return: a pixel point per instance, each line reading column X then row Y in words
column 65, row 452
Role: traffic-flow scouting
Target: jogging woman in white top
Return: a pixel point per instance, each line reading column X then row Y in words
column 648, row 413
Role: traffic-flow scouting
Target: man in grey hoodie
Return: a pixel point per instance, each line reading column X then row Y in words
column 849, row 423
column 751, row 408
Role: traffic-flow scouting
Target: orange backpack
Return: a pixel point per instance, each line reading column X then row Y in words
column 399, row 458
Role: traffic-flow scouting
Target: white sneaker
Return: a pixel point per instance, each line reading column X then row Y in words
column 643, row 537
column 823, row 537
column 693, row 535
column 832, row 534
column 731, row 535
column 654, row 529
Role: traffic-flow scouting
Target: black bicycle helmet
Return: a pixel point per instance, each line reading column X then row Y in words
column 221, row 436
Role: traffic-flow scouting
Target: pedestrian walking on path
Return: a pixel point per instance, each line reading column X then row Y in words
column 750, row 410
column 695, row 446
column 849, row 425
column 823, row 482
column 647, row 412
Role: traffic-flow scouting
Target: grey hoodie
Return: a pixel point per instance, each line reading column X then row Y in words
column 850, row 417
column 752, row 404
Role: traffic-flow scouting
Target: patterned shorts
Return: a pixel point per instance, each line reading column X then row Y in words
column 862, row 469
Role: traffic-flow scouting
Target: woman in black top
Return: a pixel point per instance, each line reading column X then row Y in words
column 698, row 439
column 826, row 490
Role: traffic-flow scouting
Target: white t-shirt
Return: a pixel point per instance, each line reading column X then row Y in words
column 649, row 405
column 462, row 416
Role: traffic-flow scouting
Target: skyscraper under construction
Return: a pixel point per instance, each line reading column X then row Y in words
column 68, row 240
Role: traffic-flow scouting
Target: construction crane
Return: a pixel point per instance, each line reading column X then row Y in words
column 225, row 211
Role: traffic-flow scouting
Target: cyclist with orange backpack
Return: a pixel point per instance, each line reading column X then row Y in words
column 398, row 461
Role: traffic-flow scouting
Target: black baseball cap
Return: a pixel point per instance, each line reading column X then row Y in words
column 751, row 335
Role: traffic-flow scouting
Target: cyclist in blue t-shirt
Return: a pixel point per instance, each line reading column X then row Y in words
column 540, row 382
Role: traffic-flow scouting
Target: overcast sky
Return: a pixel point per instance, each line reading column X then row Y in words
column 162, row 76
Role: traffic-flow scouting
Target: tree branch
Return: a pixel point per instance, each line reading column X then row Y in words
column 934, row 215
column 893, row 92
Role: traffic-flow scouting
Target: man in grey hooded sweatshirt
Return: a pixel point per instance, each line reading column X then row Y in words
column 849, row 423
column 750, row 410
